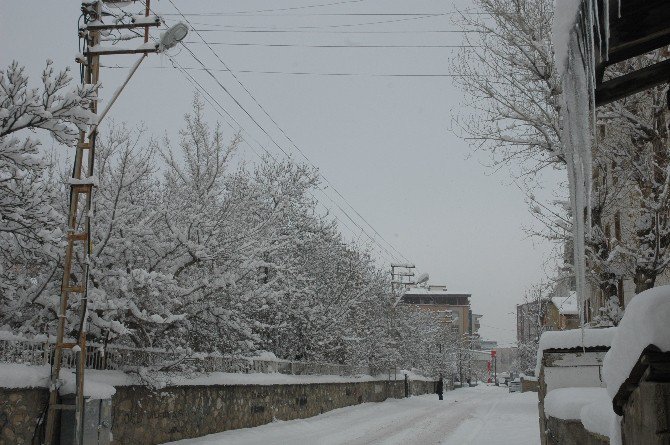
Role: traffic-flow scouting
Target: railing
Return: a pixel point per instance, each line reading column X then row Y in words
column 40, row 352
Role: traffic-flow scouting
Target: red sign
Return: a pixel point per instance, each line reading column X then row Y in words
column 493, row 353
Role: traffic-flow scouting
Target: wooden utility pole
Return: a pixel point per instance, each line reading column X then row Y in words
column 78, row 251
column 401, row 278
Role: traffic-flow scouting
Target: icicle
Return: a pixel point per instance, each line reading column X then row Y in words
column 578, row 114
column 606, row 25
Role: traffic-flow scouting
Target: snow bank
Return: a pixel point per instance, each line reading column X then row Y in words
column 565, row 18
column 567, row 403
column 646, row 322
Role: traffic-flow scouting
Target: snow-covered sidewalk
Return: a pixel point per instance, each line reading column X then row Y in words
column 480, row 415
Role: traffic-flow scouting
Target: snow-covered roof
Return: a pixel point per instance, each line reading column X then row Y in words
column 572, row 338
column 425, row 291
column 646, row 322
column 567, row 305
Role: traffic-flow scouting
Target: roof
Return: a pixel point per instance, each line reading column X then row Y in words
column 588, row 338
column 566, row 305
column 424, row 291
column 437, row 299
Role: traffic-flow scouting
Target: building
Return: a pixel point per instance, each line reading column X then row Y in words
column 562, row 312
column 529, row 318
column 454, row 306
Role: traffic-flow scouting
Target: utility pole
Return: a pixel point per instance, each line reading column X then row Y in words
column 79, row 246
column 401, row 278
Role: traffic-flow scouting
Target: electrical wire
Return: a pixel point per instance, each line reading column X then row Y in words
column 294, row 45
column 305, row 73
column 280, row 129
column 383, row 251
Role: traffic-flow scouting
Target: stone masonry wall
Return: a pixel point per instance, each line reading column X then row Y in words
column 140, row 415
column 144, row 416
column 646, row 418
column 20, row 411
column 571, row 432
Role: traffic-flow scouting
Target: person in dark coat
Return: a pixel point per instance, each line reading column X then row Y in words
column 439, row 388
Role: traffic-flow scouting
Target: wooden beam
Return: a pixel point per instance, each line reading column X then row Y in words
column 105, row 51
column 98, row 26
column 642, row 26
column 632, row 83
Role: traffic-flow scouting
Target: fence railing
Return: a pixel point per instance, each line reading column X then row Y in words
column 36, row 352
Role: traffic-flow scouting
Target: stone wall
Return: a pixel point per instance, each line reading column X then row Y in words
column 140, row 415
column 571, row 432
column 646, row 416
column 144, row 416
column 20, row 411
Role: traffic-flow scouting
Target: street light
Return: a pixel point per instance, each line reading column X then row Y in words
column 175, row 34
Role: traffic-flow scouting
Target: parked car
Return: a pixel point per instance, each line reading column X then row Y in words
column 514, row 385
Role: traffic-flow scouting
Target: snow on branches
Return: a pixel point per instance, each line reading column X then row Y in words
column 30, row 232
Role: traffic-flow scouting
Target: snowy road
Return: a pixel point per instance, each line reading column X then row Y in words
column 481, row 415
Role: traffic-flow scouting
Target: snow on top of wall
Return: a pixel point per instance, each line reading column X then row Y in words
column 100, row 384
column 567, row 305
column 567, row 403
column 646, row 322
column 23, row 376
column 598, row 416
column 14, row 375
column 565, row 18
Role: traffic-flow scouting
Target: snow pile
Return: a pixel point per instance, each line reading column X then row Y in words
column 567, row 403
column 565, row 18
column 645, row 322
column 95, row 387
column 591, row 406
column 598, row 416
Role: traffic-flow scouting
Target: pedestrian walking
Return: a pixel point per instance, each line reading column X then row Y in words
column 439, row 389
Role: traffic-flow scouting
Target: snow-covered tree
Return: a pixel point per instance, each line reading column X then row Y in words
column 30, row 226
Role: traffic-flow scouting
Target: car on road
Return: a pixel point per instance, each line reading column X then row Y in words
column 514, row 385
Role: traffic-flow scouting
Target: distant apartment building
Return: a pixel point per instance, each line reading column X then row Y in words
column 529, row 319
column 454, row 306
column 556, row 310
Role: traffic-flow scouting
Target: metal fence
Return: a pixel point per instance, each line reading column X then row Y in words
column 35, row 352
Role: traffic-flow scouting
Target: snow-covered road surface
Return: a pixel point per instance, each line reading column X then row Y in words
column 481, row 415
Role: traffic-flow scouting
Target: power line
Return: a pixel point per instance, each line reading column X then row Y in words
column 345, row 25
column 391, row 258
column 281, row 130
column 293, row 8
column 316, row 31
column 307, row 73
column 300, row 45
column 313, row 14
column 211, row 100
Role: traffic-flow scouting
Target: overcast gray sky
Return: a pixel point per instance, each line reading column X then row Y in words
column 383, row 142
